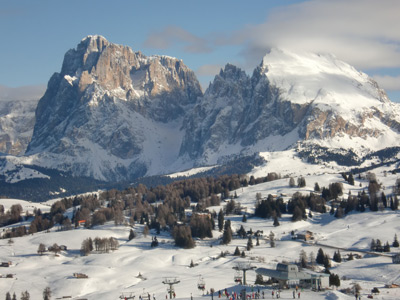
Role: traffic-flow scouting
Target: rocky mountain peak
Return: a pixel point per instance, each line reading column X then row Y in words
column 290, row 97
column 112, row 113
column 108, row 98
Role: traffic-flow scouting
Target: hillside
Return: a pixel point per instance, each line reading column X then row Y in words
column 111, row 274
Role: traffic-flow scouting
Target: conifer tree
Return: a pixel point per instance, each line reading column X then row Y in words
column 259, row 279
column 297, row 214
column 25, row 295
column 373, row 245
column 132, row 235
column 378, row 247
column 237, row 251
column 276, row 222
column 396, row 203
column 350, row 179
column 244, row 218
column 334, row 279
column 327, row 262
column 395, row 242
column 220, row 220
column 183, row 236
column 241, row 232
column 320, row 256
column 227, row 235
column 8, row 296
column 337, row 257
column 384, row 200
column 249, row 243
column 301, row 181
column 386, row 247
column 14, row 297
column 47, row 293
column 339, row 213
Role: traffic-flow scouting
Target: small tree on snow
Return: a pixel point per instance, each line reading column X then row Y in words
column 25, row 295
column 47, row 293
column 249, row 243
column 276, row 222
column 272, row 239
column 132, row 235
column 41, row 249
column 395, row 242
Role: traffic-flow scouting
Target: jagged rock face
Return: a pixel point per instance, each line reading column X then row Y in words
column 115, row 114
column 312, row 98
column 17, row 118
column 101, row 107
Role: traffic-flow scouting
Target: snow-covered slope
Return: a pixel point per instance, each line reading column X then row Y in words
column 116, row 273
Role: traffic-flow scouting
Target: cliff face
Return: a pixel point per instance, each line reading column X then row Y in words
column 98, row 112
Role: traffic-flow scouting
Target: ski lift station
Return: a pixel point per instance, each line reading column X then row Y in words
column 289, row 275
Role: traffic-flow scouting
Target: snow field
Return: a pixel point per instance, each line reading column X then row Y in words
column 116, row 272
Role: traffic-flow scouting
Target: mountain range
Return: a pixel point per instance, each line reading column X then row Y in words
column 113, row 114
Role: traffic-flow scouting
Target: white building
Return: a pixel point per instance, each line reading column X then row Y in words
column 289, row 275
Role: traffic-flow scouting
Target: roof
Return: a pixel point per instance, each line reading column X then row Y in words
column 282, row 274
column 289, row 272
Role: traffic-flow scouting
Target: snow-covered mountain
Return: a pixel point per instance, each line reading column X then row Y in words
column 114, row 114
column 17, row 118
column 290, row 97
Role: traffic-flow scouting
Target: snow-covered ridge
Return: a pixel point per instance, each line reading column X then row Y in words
column 322, row 79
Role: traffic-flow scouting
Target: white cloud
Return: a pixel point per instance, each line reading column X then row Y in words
column 176, row 35
column 364, row 33
column 390, row 83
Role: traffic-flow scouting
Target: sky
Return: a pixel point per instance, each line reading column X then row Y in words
column 206, row 34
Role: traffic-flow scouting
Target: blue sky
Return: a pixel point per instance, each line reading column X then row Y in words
column 206, row 34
